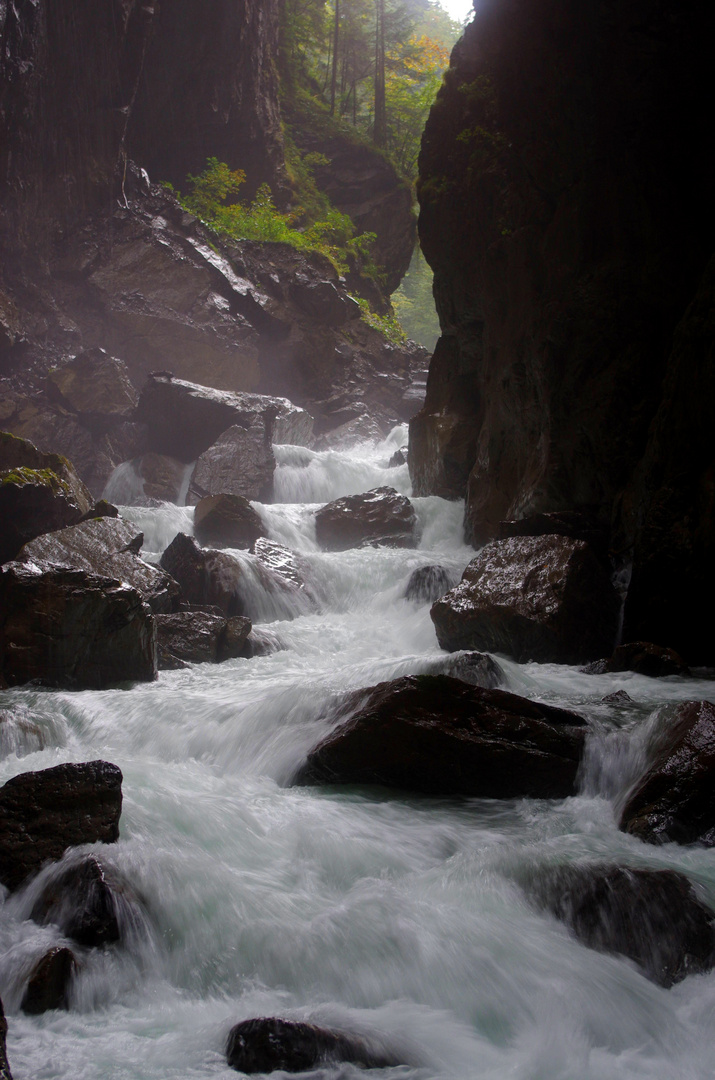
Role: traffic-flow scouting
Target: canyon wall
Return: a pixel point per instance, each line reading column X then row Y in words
column 567, row 213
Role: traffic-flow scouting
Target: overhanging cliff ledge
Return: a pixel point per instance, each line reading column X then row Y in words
column 567, row 211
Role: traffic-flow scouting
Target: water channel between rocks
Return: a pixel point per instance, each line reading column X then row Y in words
column 397, row 916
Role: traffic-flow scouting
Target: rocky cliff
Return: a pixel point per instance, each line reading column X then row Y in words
column 566, row 212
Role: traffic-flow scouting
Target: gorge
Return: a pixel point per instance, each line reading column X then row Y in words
column 373, row 790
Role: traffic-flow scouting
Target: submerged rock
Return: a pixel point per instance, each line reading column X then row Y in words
column 440, row 736
column 267, row 1044
column 49, row 983
column 109, row 547
column 651, row 916
column 379, row 516
column 476, row 668
column 43, row 813
column 86, row 900
column 288, row 565
column 643, row 657
column 227, row 520
column 545, row 598
column 67, row 627
column 675, row 800
column 427, row 583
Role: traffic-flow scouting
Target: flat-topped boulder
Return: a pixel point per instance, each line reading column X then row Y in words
column 43, row 813
column 545, row 598
column 108, row 547
column 380, row 516
column 440, row 736
column 227, row 521
column 653, row 917
column 184, row 419
column 675, row 799
column 38, row 493
column 267, row 1044
column 66, row 627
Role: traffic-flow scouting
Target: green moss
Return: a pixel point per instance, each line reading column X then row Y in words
column 38, row 477
column 387, row 325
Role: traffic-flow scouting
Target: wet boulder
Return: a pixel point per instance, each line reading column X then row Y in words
column 95, row 386
column 440, row 736
column 207, row 577
column 240, row 462
column 38, row 493
column 109, row 547
column 379, row 516
column 49, row 984
column 643, row 657
column 227, row 521
column 675, row 800
column 267, row 1044
column 427, row 583
column 66, row 627
column 651, row 916
column 199, row 637
column 87, row 900
column 398, row 458
column 43, row 813
column 184, row 419
column 287, row 565
column 478, row 669
column 545, row 598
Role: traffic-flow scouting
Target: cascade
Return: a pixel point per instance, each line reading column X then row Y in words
column 386, row 914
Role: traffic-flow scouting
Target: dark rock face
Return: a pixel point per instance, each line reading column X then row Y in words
column 427, row 583
column 378, row 516
column 106, row 546
column 651, row 916
column 574, row 368
column 439, row 736
column 95, row 386
column 38, row 493
column 49, row 983
column 227, row 520
column 5, row 1073
column 675, row 800
column 66, row 627
column 184, row 419
column 643, row 657
column 200, row 637
column 266, row 1044
column 207, row 578
column 43, row 813
column 534, row 598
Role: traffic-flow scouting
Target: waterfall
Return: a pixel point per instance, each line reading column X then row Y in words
column 386, row 914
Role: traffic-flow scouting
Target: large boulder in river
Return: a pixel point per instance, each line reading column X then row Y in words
column 200, row 637
column 440, row 736
column 38, row 493
column 268, row 1044
column 49, row 984
column 184, row 419
column 544, row 598
column 651, row 916
column 66, row 627
column 675, row 800
column 109, row 547
column 227, row 521
column 207, row 577
column 87, row 899
column 240, row 462
column 43, row 813
column 380, row 516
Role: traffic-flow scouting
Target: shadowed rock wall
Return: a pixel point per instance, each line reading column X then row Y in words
column 566, row 210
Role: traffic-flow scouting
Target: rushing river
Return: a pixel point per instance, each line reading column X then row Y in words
column 396, row 916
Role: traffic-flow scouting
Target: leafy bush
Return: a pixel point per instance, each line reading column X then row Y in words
column 388, row 325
